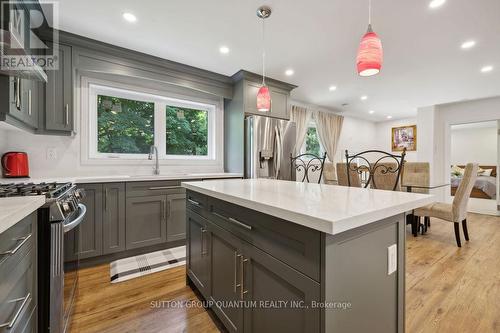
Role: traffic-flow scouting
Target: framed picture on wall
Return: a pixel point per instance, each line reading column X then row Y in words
column 404, row 137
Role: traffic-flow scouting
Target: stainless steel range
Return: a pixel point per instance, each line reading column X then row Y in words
column 58, row 222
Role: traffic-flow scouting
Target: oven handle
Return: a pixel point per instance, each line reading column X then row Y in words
column 83, row 210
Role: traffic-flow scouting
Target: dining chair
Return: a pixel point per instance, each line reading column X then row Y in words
column 355, row 180
column 456, row 212
column 329, row 176
column 417, row 174
column 308, row 164
column 384, row 173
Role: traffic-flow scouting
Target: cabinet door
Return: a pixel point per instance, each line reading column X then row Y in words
column 145, row 222
column 225, row 252
column 58, row 94
column 113, row 224
column 268, row 279
column 91, row 227
column 25, row 101
column 279, row 101
column 176, row 217
column 198, row 254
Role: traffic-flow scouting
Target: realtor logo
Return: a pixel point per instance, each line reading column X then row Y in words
column 20, row 45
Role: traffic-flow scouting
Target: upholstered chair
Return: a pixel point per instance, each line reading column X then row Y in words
column 417, row 174
column 329, row 176
column 383, row 180
column 455, row 212
column 342, row 175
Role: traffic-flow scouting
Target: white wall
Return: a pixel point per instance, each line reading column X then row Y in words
column 434, row 124
column 383, row 136
column 474, row 144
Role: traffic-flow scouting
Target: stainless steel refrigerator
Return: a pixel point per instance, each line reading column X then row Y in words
column 269, row 143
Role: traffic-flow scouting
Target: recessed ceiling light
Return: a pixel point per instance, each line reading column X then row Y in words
column 371, row 112
column 486, row 69
column 332, row 88
column 224, row 49
column 389, row 117
column 468, row 44
column 129, row 17
column 364, row 98
column 436, row 3
column 289, row 72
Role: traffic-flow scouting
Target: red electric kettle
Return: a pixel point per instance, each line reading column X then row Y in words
column 15, row 165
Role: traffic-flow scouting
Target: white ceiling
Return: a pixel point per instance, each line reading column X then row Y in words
column 423, row 61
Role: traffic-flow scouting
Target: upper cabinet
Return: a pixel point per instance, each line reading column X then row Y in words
column 247, row 86
column 19, row 104
column 58, row 116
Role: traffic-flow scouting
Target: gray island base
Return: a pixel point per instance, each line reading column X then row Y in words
column 260, row 272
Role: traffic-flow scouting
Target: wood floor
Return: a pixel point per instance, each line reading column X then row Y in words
column 448, row 289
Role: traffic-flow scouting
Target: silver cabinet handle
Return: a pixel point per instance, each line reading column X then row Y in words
column 13, row 321
column 196, row 203
column 163, row 213
column 29, row 102
column 15, row 249
column 105, row 199
column 203, row 252
column 17, row 92
column 242, row 279
column 66, row 114
column 241, row 224
column 164, row 188
column 235, row 284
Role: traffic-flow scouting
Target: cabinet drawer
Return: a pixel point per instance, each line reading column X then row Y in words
column 15, row 242
column 17, row 293
column 293, row 244
column 136, row 189
column 196, row 202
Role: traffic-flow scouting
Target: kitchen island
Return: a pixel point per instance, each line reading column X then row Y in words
column 279, row 256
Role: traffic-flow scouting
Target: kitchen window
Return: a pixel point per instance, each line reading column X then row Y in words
column 124, row 124
column 312, row 144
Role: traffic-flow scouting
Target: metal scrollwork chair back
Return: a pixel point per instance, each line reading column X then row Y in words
column 388, row 166
column 308, row 163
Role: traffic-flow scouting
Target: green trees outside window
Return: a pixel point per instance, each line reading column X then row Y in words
column 312, row 142
column 187, row 131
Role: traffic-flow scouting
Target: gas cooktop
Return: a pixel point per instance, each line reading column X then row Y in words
column 50, row 190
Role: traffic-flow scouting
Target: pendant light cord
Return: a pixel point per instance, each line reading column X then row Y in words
column 369, row 12
column 263, row 53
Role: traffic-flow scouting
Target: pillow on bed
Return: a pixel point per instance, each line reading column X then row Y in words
column 457, row 171
column 486, row 172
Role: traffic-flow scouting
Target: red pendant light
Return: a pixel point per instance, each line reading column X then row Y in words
column 370, row 54
column 263, row 96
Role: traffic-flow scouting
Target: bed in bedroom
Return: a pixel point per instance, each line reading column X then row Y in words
column 485, row 186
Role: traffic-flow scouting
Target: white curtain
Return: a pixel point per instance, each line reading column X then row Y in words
column 329, row 126
column 301, row 117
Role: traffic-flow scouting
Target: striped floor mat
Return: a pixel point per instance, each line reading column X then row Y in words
column 144, row 264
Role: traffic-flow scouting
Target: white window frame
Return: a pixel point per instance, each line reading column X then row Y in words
column 93, row 87
column 303, row 149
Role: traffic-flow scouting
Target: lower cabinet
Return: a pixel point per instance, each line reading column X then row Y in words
column 229, row 271
column 176, row 217
column 198, row 253
column 146, row 219
column 113, row 226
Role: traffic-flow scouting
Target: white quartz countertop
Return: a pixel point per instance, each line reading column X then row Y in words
column 327, row 208
column 13, row 210
column 120, row 178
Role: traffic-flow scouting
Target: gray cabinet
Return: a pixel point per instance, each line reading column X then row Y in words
column 226, row 269
column 176, row 217
column 20, row 102
column 113, row 224
column 91, row 226
column 266, row 279
column 145, row 222
column 279, row 100
column 198, row 253
column 59, row 94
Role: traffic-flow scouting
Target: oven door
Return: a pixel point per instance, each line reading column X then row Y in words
column 72, row 239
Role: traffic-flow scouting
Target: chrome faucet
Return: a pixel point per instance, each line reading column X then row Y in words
column 154, row 150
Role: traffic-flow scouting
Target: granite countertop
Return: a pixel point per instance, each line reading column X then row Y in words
column 327, row 208
column 120, row 178
column 13, row 210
